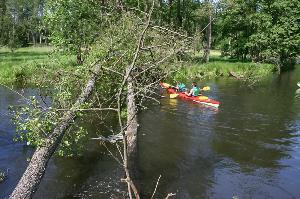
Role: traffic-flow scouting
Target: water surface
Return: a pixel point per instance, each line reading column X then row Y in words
column 249, row 148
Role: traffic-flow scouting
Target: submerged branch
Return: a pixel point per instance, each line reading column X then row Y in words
column 111, row 138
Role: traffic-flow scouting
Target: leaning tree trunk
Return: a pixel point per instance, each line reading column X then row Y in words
column 131, row 131
column 131, row 139
column 37, row 166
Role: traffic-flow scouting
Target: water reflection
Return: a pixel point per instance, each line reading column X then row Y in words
column 260, row 135
column 176, row 147
column 247, row 149
column 258, row 146
column 13, row 156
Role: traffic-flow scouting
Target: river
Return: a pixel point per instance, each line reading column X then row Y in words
column 248, row 148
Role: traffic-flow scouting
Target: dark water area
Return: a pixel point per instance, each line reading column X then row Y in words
column 248, row 148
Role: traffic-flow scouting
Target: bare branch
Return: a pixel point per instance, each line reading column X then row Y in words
column 111, row 70
column 170, row 195
column 155, row 187
column 112, row 155
column 89, row 109
column 163, row 29
column 111, row 138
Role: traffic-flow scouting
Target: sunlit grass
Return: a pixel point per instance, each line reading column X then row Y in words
column 26, row 63
column 219, row 66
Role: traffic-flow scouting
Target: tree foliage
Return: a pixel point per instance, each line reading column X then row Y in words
column 261, row 30
column 21, row 23
column 113, row 48
column 74, row 25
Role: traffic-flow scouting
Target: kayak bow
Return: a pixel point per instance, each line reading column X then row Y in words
column 199, row 99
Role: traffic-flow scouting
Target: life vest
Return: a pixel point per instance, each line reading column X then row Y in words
column 196, row 91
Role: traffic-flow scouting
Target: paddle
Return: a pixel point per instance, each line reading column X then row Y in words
column 173, row 95
column 206, row 88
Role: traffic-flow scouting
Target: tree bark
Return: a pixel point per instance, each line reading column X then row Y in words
column 170, row 10
column 208, row 42
column 36, row 169
column 79, row 56
column 179, row 14
column 208, row 37
column 33, row 38
column 132, row 124
column 131, row 137
column 40, row 34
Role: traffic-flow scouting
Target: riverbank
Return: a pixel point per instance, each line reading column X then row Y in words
column 220, row 66
column 27, row 64
column 31, row 64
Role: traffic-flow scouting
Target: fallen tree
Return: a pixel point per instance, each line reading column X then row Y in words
column 133, row 57
column 38, row 163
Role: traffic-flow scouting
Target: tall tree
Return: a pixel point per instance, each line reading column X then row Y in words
column 207, row 45
column 262, row 30
column 20, row 22
column 74, row 25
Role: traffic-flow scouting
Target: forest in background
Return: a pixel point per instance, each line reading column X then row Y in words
column 256, row 30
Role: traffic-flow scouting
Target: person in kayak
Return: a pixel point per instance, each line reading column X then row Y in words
column 180, row 87
column 195, row 91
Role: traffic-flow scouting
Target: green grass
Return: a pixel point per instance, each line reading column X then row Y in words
column 31, row 64
column 26, row 64
column 219, row 66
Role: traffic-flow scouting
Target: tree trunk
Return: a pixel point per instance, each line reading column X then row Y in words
column 208, row 36
column 161, row 14
column 179, row 14
column 36, row 169
column 33, row 38
column 79, row 56
column 131, row 135
column 46, row 37
column 170, row 10
column 208, row 42
column 132, row 124
column 40, row 34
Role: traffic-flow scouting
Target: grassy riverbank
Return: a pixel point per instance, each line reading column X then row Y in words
column 30, row 64
column 26, row 64
column 222, row 67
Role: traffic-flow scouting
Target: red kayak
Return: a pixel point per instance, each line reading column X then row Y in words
column 199, row 99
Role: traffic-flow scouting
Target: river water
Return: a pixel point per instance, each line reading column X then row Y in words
column 248, row 148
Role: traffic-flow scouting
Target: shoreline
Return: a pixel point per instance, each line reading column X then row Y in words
column 25, row 65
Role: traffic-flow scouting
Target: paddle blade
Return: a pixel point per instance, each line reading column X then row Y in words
column 202, row 98
column 206, row 88
column 172, row 96
column 166, row 85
